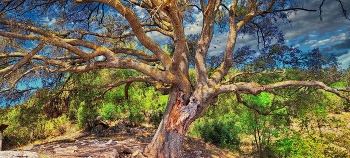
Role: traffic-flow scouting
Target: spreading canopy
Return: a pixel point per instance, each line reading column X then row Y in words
column 86, row 35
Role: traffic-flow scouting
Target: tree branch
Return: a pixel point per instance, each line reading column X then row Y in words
column 23, row 61
column 265, row 113
column 162, row 88
column 343, row 9
column 256, row 88
column 13, row 85
column 232, row 78
column 137, row 29
column 205, row 38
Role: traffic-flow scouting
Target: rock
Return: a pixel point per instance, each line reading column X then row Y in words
column 124, row 149
column 197, row 153
column 132, row 141
column 64, row 151
column 29, row 147
column 110, row 142
column 137, row 154
column 101, row 145
column 136, row 131
column 16, row 154
column 99, row 122
column 113, row 153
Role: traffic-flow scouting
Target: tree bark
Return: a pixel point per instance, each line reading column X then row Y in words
column 0, row 140
column 168, row 140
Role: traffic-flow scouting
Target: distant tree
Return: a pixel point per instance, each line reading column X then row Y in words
column 315, row 60
column 53, row 36
column 333, row 62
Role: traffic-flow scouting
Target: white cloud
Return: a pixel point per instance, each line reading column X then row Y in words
column 48, row 21
column 344, row 60
column 311, row 42
column 296, row 46
column 196, row 27
column 140, row 12
column 157, row 37
column 333, row 39
column 217, row 45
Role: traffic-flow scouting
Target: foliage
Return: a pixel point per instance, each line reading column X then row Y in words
column 219, row 132
column 27, row 122
column 270, row 119
column 87, row 114
column 290, row 122
column 136, row 117
column 109, row 111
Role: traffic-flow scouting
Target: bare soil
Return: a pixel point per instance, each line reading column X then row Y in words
column 116, row 142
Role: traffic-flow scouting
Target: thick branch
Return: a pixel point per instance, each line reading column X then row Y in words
column 106, row 35
column 13, row 85
column 51, row 40
column 256, row 88
column 206, row 36
column 231, row 41
column 143, row 56
column 108, row 87
column 138, row 30
column 232, row 78
column 23, row 61
column 66, row 64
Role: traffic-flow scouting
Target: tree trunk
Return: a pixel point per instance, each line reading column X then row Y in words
column 0, row 140
column 165, row 144
column 168, row 140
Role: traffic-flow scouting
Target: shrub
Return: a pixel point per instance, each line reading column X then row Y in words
column 136, row 117
column 86, row 115
column 109, row 111
column 28, row 123
column 156, row 117
column 218, row 132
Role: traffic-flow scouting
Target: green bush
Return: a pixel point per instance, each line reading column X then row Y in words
column 156, row 117
column 27, row 123
column 136, row 117
column 109, row 112
column 218, row 132
column 86, row 115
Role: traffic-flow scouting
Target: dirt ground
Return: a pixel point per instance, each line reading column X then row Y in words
column 116, row 142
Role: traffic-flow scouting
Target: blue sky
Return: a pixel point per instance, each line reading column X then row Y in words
column 306, row 31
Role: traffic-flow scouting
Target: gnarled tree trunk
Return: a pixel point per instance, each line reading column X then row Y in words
column 168, row 140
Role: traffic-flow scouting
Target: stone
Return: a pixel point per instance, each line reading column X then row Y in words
column 110, row 142
column 68, row 150
column 16, row 154
column 131, row 140
column 29, row 147
column 101, row 145
column 124, row 149
column 113, row 153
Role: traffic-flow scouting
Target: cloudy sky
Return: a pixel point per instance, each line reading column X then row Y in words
column 331, row 35
column 306, row 31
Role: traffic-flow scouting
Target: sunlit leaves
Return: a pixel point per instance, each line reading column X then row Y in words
column 264, row 99
column 339, row 85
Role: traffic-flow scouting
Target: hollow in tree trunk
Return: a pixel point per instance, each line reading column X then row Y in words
column 168, row 140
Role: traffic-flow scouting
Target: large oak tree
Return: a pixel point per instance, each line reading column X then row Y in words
column 49, row 37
